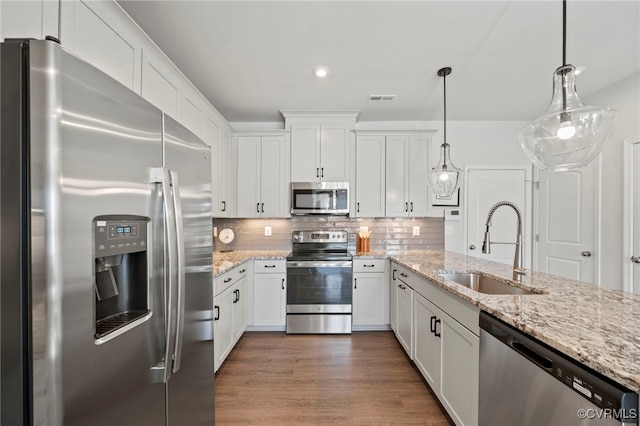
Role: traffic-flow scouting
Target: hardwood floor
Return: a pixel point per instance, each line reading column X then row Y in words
column 363, row 378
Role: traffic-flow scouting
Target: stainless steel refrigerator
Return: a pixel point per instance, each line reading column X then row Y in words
column 106, row 251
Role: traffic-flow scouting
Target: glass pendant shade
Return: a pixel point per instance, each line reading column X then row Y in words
column 569, row 134
column 444, row 178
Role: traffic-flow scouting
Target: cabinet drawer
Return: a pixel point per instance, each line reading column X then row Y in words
column 269, row 266
column 405, row 275
column 369, row 265
column 227, row 279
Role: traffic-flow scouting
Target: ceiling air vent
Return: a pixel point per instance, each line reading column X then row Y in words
column 382, row 98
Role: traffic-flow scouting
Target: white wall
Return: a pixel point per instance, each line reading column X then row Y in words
column 623, row 96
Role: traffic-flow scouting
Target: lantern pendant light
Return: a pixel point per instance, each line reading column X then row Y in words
column 444, row 178
column 569, row 134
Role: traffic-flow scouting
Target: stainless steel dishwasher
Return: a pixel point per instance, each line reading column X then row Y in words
column 524, row 382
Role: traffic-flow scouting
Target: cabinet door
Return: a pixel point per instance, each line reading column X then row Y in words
column 426, row 349
column 305, row 153
column 459, row 371
column 225, row 202
column 396, row 184
column 211, row 135
column 160, row 82
column 370, row 302
column 418, row 166
column 274, row 182
column 334, row 153
column 370, row 176
column 102, row 34
column 404, row 310
column 392, row 297
column 239, row 308
column 223, row 326
column 269, row 299
column 248, row 203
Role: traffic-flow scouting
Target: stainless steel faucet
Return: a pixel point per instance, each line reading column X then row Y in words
column 518, row 261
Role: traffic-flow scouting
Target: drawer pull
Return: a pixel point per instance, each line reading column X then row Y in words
column 242, row 271
column 369, row 266
column 402, row 274
column 227, row 280
column 269, row 266
column 401, row 286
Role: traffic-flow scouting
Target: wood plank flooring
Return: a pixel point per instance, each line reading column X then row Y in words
column 363, row 378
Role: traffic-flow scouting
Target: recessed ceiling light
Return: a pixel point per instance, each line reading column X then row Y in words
column 321, row 72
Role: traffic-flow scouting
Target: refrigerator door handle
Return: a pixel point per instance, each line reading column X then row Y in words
column 180, row 302
column 164, row 368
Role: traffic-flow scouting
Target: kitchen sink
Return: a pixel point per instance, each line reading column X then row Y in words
column 483, row 284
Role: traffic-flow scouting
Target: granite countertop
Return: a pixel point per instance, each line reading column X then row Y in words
column 226, row 260
column 597, row 326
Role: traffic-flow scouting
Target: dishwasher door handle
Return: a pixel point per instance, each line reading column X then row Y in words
column 533, row 356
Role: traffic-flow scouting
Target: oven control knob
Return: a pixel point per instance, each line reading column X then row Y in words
column 295, row 237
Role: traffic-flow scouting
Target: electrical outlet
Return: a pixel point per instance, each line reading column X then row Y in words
column 416, row 231
column 448, row 230
column 215, row 231
column 267, row 231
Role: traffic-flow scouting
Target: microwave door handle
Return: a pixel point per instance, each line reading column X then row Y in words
column 180, row 303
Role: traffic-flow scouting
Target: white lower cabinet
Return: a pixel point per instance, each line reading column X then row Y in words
column 269, row 293
column 447, row 355
column 404, row 313
column 230, row 312
column 370, row 294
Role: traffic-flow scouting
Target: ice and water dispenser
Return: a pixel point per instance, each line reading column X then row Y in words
column 121, row 276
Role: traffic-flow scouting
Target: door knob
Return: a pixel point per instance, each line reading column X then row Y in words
column 472, row 247
column 635, row 259
column 586, row 254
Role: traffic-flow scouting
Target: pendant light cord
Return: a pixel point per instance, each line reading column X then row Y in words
column 444, row 86
column 564, row 32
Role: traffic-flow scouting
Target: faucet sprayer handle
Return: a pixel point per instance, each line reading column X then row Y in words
column 486, row 243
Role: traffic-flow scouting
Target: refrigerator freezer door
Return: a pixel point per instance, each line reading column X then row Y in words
column 190, row 388
column 92, row 143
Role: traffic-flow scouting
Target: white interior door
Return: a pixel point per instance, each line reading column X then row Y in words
column 566, row 223
column 484, row 188
column 632, row 217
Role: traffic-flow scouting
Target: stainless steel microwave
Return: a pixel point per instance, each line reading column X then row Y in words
column 328, row 198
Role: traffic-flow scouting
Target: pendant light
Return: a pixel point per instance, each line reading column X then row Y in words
column 444, row 178
column 569, row 134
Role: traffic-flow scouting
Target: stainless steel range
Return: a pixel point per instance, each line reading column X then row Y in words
column 319, row 292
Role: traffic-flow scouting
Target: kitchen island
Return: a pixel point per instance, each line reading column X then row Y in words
column 596, row 326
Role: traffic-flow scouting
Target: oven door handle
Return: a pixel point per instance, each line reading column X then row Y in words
column 317, row 264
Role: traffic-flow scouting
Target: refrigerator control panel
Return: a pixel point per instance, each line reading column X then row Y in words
column 123, row 235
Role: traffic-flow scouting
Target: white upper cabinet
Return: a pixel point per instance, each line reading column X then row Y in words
column 226, row 187
column 407, row 191
column 321, row 146
column 370, row 176
column 28, row 19
column 102, row 34
column 262, row 176
column 160, row 82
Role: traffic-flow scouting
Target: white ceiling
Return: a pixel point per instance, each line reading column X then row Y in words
column 252, row 59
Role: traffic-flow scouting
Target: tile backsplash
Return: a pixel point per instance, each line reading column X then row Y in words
column 390, row 234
